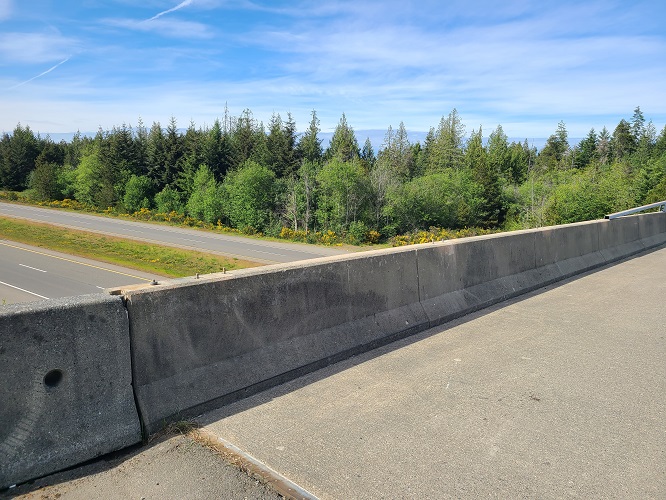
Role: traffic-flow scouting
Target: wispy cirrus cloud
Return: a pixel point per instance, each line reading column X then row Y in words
column 168, row 11
column 41, row 74
column 170, row 28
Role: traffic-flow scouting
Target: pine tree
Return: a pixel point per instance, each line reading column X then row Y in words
column 309, row 145
column 156, row 149
column 446, row 150
column 623, row 142
column 173, row 153
column 344, row 145
column 218, row 152
column 498, row 153
column 604, row 147
column 19, row 152
column 587, row 150
column 492, row 211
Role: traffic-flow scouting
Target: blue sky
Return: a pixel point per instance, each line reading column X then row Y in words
column 79, row 65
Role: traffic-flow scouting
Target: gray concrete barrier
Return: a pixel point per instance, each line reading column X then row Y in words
column 197, row 344
column 65, row 385
column 68, row 367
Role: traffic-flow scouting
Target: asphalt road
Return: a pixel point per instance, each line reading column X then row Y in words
column 29, row 273
column 267, row 252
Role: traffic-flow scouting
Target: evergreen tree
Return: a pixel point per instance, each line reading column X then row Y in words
column 637, row 124
column 392, row 168
column 141, row 149
column 498, row 153
column 344, row 145
column 95, row 180
column 623, row 142
column 446, row 150
column 424, row 161
column 368, row 155
column 309, row 145
column 157, row 155
column 660, row 144
column 519, row 162
column 74, row 149
column 245, row 137
column 19, row 152
column 192, row 158
column 553, row 155
column 587, row 150
column 645, row 145
column 492, row 211
column 280, row 143
column 173, row 151
column 603, row 151
column 219, row 154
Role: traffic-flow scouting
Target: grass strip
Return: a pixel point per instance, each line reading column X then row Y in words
column 157, row 259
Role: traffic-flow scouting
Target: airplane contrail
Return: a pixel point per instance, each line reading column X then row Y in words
column 177, row 7
column 41, row 74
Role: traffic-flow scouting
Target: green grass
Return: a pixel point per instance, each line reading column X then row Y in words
column 161, row 260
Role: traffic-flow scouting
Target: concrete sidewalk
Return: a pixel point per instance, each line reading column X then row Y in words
column 559, row 393
column 171, row 467
column 556, row 394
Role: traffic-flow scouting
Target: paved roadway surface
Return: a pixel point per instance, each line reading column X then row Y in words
column 28, row 273
column 266, row 252
column 557, row 394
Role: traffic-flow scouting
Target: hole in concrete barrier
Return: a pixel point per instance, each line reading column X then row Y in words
column 53, row 378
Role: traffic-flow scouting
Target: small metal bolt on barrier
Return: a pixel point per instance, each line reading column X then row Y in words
column 196, row 276
column 660, row 204
column 154, row 282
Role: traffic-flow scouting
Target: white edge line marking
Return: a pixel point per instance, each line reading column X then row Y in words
column 33, row 268
column 26, row 291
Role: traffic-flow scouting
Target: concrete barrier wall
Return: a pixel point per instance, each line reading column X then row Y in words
column 197, row 342
column 65, row 385
column 201, row 343
column 68, row 366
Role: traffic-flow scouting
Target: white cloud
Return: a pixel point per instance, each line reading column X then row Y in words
column 35, row 48
column 5, row 9
column 172, row 28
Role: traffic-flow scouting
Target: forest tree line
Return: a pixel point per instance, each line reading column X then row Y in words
column 263, row 178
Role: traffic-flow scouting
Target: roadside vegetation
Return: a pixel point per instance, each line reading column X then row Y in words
column 244, row 177
column 164, row 261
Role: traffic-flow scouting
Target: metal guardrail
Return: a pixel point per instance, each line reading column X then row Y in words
column 660, row 204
